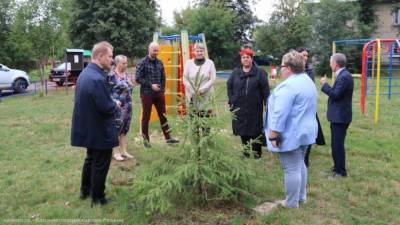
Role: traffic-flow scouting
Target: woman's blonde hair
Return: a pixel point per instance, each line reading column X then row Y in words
column 198, row 45
column 294, row 60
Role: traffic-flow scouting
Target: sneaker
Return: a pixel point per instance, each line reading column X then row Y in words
column 281, row 203
column 172, row 141
column 284, row 204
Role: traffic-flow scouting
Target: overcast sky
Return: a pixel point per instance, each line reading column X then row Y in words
column 262, row 9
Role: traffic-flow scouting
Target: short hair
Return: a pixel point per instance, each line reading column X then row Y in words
column 153, row 44
column 101, row 49
column 302, row 49
column 246, row 51
column 340, row 59
column 118, row 59
column 294, row 60
column 198, row 45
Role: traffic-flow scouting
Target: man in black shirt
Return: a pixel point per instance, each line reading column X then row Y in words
column 150, row 75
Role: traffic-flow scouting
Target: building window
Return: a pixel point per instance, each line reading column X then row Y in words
column 397, row 16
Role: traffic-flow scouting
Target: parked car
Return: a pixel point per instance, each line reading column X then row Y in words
column 76, row 60
column 58, row 73
column 262, row 60
column 14, row 80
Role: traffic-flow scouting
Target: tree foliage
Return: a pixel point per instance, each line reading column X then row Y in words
column 367, row 20
column 37, row 30
column 218, row 26
column 244, row 18
column 295, row 23
column 201, row 171
column 288, row 28
column 5, row 27
column 127, row 25
column 328, row 26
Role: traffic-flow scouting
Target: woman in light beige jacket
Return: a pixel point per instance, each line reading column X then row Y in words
column 199, row 77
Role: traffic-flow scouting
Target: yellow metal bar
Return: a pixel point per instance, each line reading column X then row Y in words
column 176, row 52
column 173, row 93
column 333, row 52
column 203, row 37
column 155, row 37
column 378, row 80
column 185, row 46
column 172, row 65
column 175, row 71
column 373, row 61
column 333, row 47
column 173, row 79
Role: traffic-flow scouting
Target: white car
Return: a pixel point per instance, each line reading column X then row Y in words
column 15, row 80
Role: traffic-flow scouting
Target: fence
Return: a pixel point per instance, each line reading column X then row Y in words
column 35, row 87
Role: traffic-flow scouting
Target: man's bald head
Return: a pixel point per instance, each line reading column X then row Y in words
column 154, row 47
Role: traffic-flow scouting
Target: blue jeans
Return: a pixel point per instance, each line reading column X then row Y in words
column 295, row 175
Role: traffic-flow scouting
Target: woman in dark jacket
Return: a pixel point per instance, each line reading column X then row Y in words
column 247, row 92
column 320, row 138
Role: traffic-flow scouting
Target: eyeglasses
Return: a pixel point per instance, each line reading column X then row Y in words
column 280, row 67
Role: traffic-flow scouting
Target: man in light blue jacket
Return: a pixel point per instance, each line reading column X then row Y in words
column 291, row 125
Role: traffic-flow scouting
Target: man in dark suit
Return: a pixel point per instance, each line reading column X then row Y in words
column 93, row 123
column 339, row 110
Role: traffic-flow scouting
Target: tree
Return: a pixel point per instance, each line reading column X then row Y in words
column 366, row 17
column 37, row 29
column 127, row 25
column 288, row 28
column 201, row 171
column 218, row 26
column 244, row 18
column 329, row 25
column 6, row 9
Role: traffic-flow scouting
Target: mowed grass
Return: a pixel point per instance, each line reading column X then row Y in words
column 40, row 171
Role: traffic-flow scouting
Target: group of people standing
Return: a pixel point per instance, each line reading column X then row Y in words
column 290, row 125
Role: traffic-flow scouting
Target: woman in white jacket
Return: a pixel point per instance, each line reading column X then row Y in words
column 198, row 78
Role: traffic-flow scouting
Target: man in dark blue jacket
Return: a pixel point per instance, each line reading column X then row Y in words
column 339, row 110
column 93, row 123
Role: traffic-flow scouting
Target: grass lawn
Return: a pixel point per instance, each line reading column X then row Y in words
column 40, row 171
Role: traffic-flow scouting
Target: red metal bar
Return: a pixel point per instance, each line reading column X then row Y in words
column 364, row 71
column 363, row 77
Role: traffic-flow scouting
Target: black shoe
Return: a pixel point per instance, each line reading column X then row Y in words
column 83, row 196
column 146, row 144
column 101, row 201
column 257, row 154
column 337, row 175
column 172, row 141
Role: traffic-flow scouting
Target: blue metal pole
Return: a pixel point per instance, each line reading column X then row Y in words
column 45, row 83
column 366, row 77
column 390, row 70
